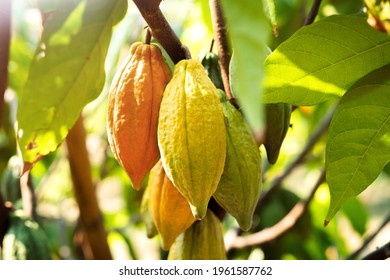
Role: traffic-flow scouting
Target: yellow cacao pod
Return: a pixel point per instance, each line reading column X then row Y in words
column 202, row 241
column 192, row 134
column 240, row 185
column 170, row 211
column 133, row 107
column 146, row 215
column 277, row 123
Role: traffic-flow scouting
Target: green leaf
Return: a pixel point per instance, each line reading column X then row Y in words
column 67, row 72
column 357, row 214
column 249, row 35
column 359, row 138
column 270, row 12
column 321, row 61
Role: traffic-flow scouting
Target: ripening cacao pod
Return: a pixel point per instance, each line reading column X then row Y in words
column 146, row 216
column 240, row 185
column 170, row 211
column 192, row 135
column 210, row 62
column 133, row 107
column 25, row 240
column 277, row 124
column 202, row 241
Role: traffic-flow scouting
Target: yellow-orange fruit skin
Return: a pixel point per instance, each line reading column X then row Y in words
column 133, row 108
column 169, row 210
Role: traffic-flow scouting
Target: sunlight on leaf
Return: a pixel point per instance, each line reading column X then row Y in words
column 249, row 35
column 67, row 72
column 359, row 138
column 322, row 60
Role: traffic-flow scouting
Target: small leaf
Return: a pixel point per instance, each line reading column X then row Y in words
column 322, row 60
column 67, row 72
column 359, row 138
column 249, row 35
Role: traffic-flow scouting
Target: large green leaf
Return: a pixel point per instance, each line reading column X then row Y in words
column 67, row 72
column 359, row 138
column 249, row 32
column 321, row 61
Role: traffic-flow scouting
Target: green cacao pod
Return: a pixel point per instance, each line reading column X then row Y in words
column 277, row 123
column 25, row 240
column 240, row 185
column 10, row 182
column 202, row 241
column 192, row 134
column 210, row 62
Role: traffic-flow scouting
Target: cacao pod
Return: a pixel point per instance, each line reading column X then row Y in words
column 240, row 185
column 25, row 240
column 210, row 62
column 151, row 229
column 202, row 241
column 192, row 134
column 277, row 124
column 170, row 211
column 133, row 106
column 10, row 181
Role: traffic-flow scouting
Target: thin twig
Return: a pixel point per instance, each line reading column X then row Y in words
column 368, row 240
column 148, row 36
column 28, row 195
column 221, row 40
column 287, row 223
column 381, row 253
column 313, row 12
column 5, row 34
column 161, row 30
column 321, row 129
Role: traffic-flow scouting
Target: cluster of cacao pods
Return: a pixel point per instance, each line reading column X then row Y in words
column 194, row 144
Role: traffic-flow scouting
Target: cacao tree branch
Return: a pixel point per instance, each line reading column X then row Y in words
column 5, row 35
column 223, row 47
column 313, row 12
column 90, row 214
column 368, row 240
column 28, row 195
column 161, row 30
column 381, row 253
column 316, row 135
column 287, row 223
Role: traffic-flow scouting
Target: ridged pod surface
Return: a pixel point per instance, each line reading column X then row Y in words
column 192, row 134
column 170, row 211
column 240, row 185
column 25, row 240
column 277, row 123
column 133, row 107
column 202, row 241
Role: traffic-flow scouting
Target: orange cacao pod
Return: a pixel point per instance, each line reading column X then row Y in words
column 170, row 211
column 133, row 107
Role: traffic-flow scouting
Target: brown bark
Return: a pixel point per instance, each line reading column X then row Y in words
column 90, row 214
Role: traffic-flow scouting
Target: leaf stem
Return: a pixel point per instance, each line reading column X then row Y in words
column 313, row 12
column 161, row 30
column 221, row 40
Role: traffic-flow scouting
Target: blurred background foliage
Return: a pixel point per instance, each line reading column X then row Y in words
column 57, row 209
